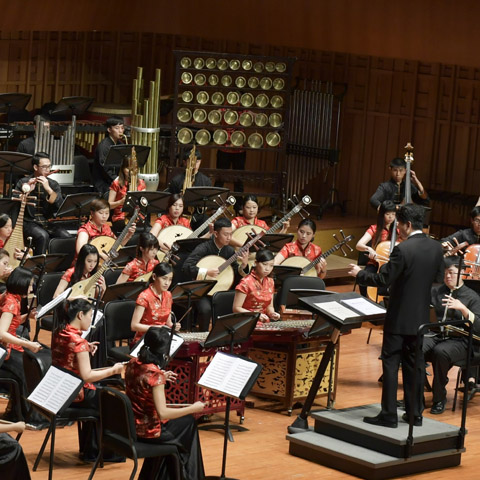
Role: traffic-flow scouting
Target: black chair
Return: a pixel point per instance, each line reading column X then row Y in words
column 117, row 320
column 298, row 283
column 462, row 372
column 35, row 365
column 111, row 275
column 81, row 172
column 45, row 292
column 6, row 379
column 63, row 245
column 117, row 433
column 222, row 304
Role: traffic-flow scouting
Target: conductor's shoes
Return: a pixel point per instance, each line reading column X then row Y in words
column 417, row 421
column 438, row 407
column 380, row 421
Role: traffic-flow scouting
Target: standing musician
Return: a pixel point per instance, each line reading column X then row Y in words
column 381, row 232
column 470, row 235
column 145, row 261
column 49, row 199
column 155, row 421
column 103, row 177
column 97, row 226
column 394, row 189
column 254, row 293
column 154, row 305
column 451, row 302
column 85, row 266
column 304, row 247
column 219, row 244
column 171, row 218
column 118, row 193
column 413, row 267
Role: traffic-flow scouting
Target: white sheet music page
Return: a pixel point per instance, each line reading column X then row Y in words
column 54, row 390
column 227, row 374
column 98, row 317
column 53, row 303
column 337, row 310
column 363, row 306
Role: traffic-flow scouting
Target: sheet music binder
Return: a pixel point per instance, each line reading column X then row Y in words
column 56, row 391
column 243, row 369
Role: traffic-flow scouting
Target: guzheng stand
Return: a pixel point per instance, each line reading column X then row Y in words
column 228, row 330
column 77, row 204
column 14, row 162
column 327, row 322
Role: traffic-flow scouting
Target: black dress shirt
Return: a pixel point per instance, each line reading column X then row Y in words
column 392, row 191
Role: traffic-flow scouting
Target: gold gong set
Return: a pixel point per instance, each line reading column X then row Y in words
column 236, row 101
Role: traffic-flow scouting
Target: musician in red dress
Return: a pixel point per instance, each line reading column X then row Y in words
column 86, row 265
column 97, row 226
column 154, row 305
column 172, row 217
column 72, row 352
column 5, row 229
column 304, row 247
column 5, row 267
column 155, row 422
column 254, row 293
column 145, row 261
column 118, row 193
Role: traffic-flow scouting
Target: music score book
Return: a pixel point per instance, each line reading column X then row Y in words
column 231, row 375
column 56, row 391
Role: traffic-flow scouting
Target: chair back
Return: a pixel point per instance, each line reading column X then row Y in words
column 111, row 275
column 118, row 318
column 81, row 172
column 47, row 287
column 35, row 365
column 63, row 245
column 222, row 304
column 300, row 283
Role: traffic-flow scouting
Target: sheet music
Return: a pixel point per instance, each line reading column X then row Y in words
column 363, row 306
column 98, row 317
column 3, row 354
column 337, row 310
column 55, row 389
column 53, row 303
column 227, row 374
column 177, row 341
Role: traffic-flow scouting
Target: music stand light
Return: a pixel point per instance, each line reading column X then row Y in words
column 204, row 196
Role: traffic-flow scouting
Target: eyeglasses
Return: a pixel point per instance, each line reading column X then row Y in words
column 476, row 221
column 45, row 167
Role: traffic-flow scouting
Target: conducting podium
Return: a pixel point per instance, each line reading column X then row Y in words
column 335, row 314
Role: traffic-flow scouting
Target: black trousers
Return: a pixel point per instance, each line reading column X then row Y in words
column 41, row 237
column 13, row 463
column 398, row 349
column 443, row 353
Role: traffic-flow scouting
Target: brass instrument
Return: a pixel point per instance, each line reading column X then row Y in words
column 133, row 171
column 189, row 171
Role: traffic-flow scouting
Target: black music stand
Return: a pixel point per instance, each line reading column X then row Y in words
column 44, row 263
column 228, row 330
column 117, row 153
column 123, row 291
column 12, row 100
column 281, row 272
column 275, row 241
column 328, row 321
column 10, row 207
column 157, row 201
column 125, row 255
column 204, row 196
column 77, row 204
column 72, row 105
column 14, row 162
column 186, row 293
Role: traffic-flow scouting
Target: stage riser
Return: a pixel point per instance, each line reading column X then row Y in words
column 363, row 439
column 352, row 466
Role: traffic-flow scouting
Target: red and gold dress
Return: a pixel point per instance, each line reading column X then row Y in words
column 258, row 292
column 238, row 222
column 93, row 231
column 10, row 303
column 166, row 221
column 137, row 268
column 157, row 309
column 121, row 192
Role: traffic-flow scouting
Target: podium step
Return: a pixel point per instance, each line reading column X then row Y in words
column 348, row 425
column 363, row 462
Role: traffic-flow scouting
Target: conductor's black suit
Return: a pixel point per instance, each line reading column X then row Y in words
column 414, row 264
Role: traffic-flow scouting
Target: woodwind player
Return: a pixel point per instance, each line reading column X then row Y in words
column 451, row 302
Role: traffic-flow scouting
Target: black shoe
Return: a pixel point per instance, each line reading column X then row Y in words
column 417, row 421
column 438, row 407
column 380, row 421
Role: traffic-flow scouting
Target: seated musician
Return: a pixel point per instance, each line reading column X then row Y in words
column 394, row 189
column 304, row 247
column 249, row 217
column 254, row 293
column 5, row 229
column 49, row 199
column 155, row 421
column 470, row 235
column 172, row 217
column 5, row 268
column 145, row 261
column 218, row 245
column 85, row 266
column 451, row 302
column 118, row 193
column 103, row 176
column 72, row 352
column 13, row 463
column 19, row 285
column 381, row 232
column 97, row 226
column 154, row 304
column 27, row 145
